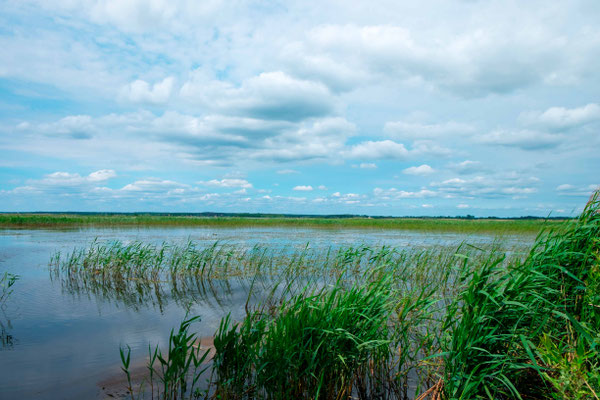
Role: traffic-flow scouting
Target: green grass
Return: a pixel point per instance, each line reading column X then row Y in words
column 498, row 226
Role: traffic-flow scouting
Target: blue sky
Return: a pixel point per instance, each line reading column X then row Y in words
column 378, row 108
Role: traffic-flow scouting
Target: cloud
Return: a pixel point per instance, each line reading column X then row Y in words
column 322, row 187
column 523, row 139
column 378, row 150
column 287, row 171
column 463, row 206
column 73, row 127
column 210, row 140
column 267, row 96
column 65, row 182
column 561, row 118
column 304, row 62
column 323, row 139
column 140, row 91
column 303, row 188
column 134, row 15
column 418, row 131
column 74, row 179
column 420, row 170
column 511, row 184
column 577, row 191
column 473, row 63
column 467, row 167
column 102, row 175
column 154, row 185
column 367, row 165
column 394, row 194
column 564, row 187
column 429, row 148
column 228, row 183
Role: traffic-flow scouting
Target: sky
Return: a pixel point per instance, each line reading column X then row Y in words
column 402, row 108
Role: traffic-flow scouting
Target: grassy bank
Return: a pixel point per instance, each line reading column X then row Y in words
column 498, row 226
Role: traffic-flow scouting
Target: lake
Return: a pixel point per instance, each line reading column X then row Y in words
column 60, row 344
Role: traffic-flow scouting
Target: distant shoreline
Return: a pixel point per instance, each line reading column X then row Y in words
column 466, row 224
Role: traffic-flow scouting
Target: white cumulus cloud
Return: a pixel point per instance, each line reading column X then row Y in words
column 420, row 170
column 303, row 188
column 140, row 91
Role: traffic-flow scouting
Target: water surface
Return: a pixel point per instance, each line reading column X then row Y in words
column 59, row 345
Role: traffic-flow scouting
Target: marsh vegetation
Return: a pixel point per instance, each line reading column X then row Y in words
column 296, row 312
column 375, row 322
column 465, row 225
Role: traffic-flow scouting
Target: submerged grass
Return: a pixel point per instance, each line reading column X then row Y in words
column 139, row 273
column 464, row 225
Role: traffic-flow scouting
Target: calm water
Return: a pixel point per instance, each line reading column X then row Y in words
column 60, row 345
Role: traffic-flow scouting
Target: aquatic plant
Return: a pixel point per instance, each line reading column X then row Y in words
column 319, row 344
column 7, row 280
column 173, row 375
column 530, row 330
column 140, row 273
column 458, row 323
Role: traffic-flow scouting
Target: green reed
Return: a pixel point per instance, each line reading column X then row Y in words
column 140, row 273
column 379, row 322
column 7, row 281
column 317, row 301
column 321, row 343
column 532, row 329
column 173, row 375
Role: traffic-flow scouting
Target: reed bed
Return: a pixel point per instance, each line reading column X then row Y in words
column 140, row 273
column 531, row 330
column 304, row 285
column 458, row 225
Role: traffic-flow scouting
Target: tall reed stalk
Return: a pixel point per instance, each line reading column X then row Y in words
column 530, row 330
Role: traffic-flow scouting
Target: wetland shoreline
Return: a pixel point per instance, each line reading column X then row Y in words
column 441, row 224
column 363, row 312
